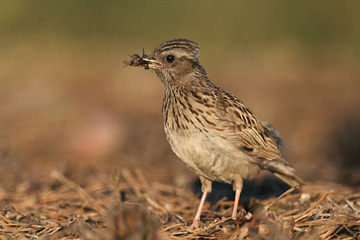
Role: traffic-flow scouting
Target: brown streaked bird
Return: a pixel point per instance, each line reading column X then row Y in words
column 210, row 130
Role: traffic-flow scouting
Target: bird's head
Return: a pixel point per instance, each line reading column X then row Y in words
column 174, row 61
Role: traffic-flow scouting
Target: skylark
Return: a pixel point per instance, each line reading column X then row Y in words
column 209, row 129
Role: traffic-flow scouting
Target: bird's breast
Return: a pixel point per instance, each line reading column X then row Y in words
column 201, row 148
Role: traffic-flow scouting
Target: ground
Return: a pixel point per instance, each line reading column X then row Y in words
column 124, row 204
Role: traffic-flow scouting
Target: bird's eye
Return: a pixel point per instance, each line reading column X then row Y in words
column 170, row 58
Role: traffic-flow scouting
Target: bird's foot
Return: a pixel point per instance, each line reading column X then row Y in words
column 195, row 224
column 242, row 212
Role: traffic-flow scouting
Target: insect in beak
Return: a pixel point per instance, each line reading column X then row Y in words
column 146, row 61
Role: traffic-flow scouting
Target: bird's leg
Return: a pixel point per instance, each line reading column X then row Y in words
column 206, row 188
column 196, row 220
column 237, row 187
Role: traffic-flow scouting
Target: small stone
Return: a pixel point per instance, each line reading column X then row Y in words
column 248, row 216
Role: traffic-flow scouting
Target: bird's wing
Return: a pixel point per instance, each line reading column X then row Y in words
column 255, row 138
column 235, row 122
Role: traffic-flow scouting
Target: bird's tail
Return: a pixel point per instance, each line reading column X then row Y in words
column 282, row 169
column 292, row 181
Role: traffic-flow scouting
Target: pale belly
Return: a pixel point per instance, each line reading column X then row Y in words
column 212, row 157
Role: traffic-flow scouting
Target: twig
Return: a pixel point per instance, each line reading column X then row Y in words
column 132, row 182
column 310, row 208
column 212, row 225
column 61, row 178
column 215, row 207
column 281, row 196
column 141, row 178
column 351, row 205
column 155, row 204
column 172, row 226
column 325, row 223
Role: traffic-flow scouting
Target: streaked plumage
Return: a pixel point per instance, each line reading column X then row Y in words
column 210, row 130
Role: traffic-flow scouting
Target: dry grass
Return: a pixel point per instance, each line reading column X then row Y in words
column 126, row 205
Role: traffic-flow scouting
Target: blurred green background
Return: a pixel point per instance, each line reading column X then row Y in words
column 66, row 99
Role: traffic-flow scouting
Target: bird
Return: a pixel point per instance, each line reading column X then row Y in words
column 213, row 132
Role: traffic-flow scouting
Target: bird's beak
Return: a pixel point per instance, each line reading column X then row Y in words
column 151, row 62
